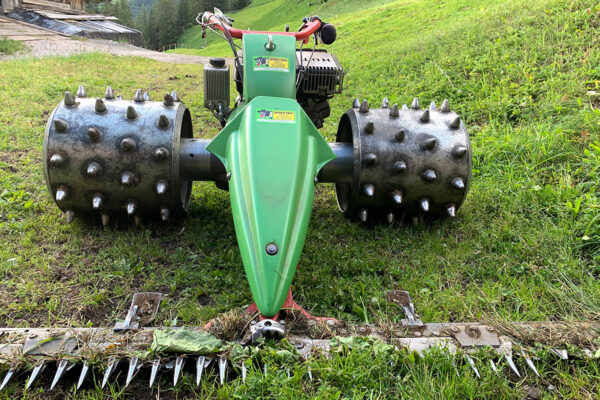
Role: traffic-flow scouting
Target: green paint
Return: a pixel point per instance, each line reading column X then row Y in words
column 273, row 167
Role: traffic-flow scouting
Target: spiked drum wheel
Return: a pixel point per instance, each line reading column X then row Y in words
column 113, row 157
column 406, row 161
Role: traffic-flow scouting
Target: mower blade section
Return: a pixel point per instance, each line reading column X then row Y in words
column 133, row 368
column 179, row 363
column 112, row 365
column 222, row 369
column 60, row 370
column 7, row 377
column 85, row 368
column 530, row 364
column 199, row 369
column 493, row 365
column 273, row 152
column 244, row 372
column 473, row 366
column 37, row 370
column 154, row 371
column 563, row 354
column 511, row 364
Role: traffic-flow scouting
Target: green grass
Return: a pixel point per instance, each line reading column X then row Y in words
column 525, row 245
column 9, row 46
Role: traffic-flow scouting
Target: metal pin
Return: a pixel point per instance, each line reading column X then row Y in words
column 222, row 369
column 473, row 366
column 128, row 178
column 81, row 91
column 154, row 371
column 460, row 151
column 493, row 365
column 60, row 126
column 371, row 159
column 35, row 373
column 161, row 187
column 287, row 373
column 139, row 96
column 390, row 217
column 70, row 216
column 94, row 134
column 364, row 107
column 511, row 364
column 530, row 364
column 455, row 123
column 399, row 167
column 7, row 377
column 310, row 375
column 430, row 143
column 385, row 103
column 562, row 353
column 56, row 160
column 99, row 106
column 397, row 197
column 146, row 96
column 60, row 370
column 163, row 122
column 424, row 204
column 69, row 100
column 432, row 106
column 133, row 368
column 404, row 107
column 425, row 117
column 112, row 365
column 179, row 363
column 168, row 100
column 109, row 94
column 265, row 370
column 415, row 104
column 161, row 154
column 93, row 169
column 128, row 144
column 105, row 219
column 356, row 103
column 394, row 112
column 84, row 371
column 458, row 183
column 131, row 113
column 370, row 127
column 62, row 193
column 399, row 136
column 369, row 190
column 362, row 215
column 119, row 97
column 174, row 96
column 451, row 211
column 164, row 214
column 131, row 207
column 429, row 175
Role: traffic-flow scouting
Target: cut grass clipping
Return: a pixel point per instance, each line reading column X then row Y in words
column 525, row 245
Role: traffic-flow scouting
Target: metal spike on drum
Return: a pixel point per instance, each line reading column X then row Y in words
column 530, row 364
column 493, row 365
column 222, row 369
column 131, row 371
column 62, row 366
column 511, row 364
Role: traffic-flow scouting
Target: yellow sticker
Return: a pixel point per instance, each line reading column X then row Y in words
column 271, row 64
column 270, row 115
column 284, row 115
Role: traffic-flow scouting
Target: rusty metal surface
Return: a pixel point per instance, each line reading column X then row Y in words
column 406, row 161
column 106, row 157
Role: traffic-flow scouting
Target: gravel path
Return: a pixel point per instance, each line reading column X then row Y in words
column 65, row 47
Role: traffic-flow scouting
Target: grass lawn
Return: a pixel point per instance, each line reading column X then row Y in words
column 524, row 246
column 9, row 46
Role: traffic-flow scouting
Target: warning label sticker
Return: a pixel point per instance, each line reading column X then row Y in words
column 276, row 116
column 271, row 64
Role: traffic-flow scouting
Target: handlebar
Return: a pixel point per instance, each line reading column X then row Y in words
column 308, row 29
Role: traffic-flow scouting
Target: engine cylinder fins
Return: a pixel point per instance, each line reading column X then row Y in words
column 408, row 162
column 111, row 167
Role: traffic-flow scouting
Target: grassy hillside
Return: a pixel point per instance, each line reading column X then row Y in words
column 525, row 245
